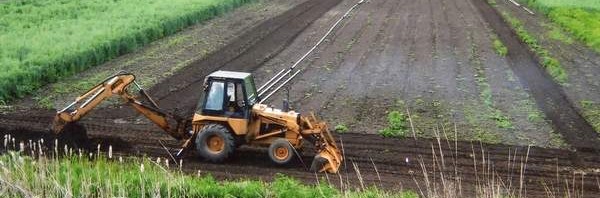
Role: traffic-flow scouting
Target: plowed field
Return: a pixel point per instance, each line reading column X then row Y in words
column 434, row 58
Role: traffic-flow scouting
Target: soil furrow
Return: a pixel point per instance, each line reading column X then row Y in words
column 549, row 96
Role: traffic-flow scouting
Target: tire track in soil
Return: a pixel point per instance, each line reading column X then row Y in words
column 549, row 96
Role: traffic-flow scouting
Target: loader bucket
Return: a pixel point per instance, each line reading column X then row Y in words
column 326, row 162
column 328, row 157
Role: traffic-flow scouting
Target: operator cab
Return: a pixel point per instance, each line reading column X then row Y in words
column 228, row 94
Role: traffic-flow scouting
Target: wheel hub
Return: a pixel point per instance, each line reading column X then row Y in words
column 215, row 143
column 281, row 153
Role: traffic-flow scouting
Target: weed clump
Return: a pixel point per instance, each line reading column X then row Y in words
column 500, row 48
column 502, row 121
column 341, row 128
column 397, row 125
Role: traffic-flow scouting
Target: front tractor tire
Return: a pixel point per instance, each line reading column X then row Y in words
column 215, row 143
column 281, row 151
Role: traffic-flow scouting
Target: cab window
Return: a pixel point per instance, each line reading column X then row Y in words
column 214, row 101
column 250, row 90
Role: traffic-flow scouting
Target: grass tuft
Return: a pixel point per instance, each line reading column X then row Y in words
column 499, row 47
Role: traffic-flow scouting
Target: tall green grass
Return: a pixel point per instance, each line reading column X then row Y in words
column 44, row 40
column 593, row 4
column 77, row 176
column 583, row 24
column 579, row 17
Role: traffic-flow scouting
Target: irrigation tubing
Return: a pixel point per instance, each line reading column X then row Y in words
column 270, row 83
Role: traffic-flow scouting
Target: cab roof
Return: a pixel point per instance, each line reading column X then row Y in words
column 229, row 74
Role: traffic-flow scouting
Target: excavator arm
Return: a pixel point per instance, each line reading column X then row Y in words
column 119, row 84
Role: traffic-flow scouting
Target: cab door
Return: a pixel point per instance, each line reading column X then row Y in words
column 214, row 102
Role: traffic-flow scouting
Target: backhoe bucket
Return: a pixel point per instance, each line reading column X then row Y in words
column 328, row 157
column 71, row 134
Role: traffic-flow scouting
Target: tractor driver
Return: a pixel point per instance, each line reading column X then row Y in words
column 235, row 101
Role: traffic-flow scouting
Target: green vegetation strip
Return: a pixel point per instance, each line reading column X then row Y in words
column 551, row 64
column 592, row 113
column 592, row 4
column 580, row 17
column 77, row 176
column 45, row 40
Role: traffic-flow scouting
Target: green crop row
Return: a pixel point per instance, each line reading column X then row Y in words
column 551, row 64
column 580, row 17
column 45, row 40
column 76, row 176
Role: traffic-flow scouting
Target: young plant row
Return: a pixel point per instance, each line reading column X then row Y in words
column 45, row 40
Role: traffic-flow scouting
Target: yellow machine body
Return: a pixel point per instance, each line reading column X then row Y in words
column 255, row 124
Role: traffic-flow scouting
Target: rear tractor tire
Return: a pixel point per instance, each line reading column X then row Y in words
column 281, row 151
column 215, row 143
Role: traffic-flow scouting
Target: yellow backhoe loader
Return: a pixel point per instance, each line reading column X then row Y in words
column 228, row 115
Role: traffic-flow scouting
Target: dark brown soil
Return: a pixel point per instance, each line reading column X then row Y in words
column 434, row 58
column 429, row 51
column 384, row 162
